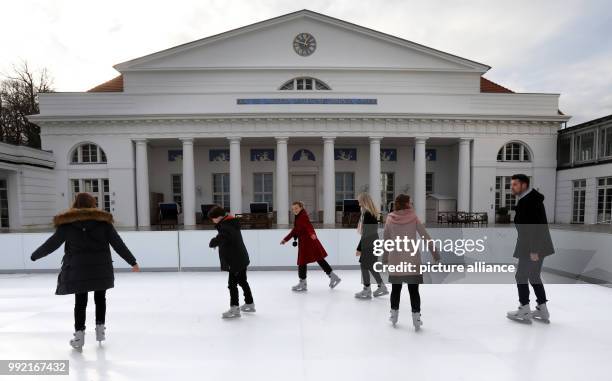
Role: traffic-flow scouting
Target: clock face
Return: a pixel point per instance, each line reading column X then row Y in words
column 304, row 44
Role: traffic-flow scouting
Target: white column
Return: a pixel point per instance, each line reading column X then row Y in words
column 188, row 183
column 375, row 170
column 235, row 176
column 418, row 194
column 142, row 183
column 282, row 182
column 329, row 181
column 463, row 176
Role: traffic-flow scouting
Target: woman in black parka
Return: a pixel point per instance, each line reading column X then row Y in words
column 368, row 229
column 87, row 264
column 234, row 259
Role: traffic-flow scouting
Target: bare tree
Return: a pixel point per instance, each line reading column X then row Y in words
column 19, row 98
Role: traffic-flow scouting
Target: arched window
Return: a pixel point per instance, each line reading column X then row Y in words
column 304, row 83
column 514, row 151
column 88, row 153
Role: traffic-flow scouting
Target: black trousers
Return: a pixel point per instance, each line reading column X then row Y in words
column 302, row 269
column 233, row 281
column 415, row 297
column 366, row 269
column 529, row 271
column 80, row 309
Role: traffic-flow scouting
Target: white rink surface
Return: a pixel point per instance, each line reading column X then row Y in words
column 167, row 326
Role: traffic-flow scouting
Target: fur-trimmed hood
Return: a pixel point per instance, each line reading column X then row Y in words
column 85, row 214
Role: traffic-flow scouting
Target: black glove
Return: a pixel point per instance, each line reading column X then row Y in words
column 212, row 243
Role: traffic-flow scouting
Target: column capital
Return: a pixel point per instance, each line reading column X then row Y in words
column 186, row 140
column 234, row 139
column 281, row 139
column 140, row 140
column 375, row 138
column 465, row 140
column 420, row 139
column 328, row 139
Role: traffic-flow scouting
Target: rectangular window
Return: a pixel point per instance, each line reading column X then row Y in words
column 177, row 189
column 387, row 188
column 604, row 200
column 263, row 189
column 564, row 150
column 584, row 146
column 98, row 188
column 503, row 194
column 579, row 193
column 605, row 142
column 345, row 187
column 429, row 182
column 221, row 186
column 4, row 211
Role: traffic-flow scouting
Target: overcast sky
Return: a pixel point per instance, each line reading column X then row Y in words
column 562, row 46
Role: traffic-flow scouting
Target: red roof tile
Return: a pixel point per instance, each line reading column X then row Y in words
column 112, row 86
column 487, row 86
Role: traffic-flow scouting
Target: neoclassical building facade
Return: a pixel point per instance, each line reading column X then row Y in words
column 298, row 107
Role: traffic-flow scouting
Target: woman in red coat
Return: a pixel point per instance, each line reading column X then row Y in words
column 309, row 248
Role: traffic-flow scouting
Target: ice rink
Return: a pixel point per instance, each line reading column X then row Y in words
column 167, row 326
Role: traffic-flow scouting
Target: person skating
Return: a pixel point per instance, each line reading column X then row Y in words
column 403, row 222
column 234, row 259
column 87, row 264
column 310, row 248
column 532, row 245
column 368, row 229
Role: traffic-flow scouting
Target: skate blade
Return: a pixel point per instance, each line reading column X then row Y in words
column 519, row 320
column 333, row 285
column 541, row 320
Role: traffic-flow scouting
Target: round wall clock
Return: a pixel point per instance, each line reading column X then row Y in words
column 304, row 44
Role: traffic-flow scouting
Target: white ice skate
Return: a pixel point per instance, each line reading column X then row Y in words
column 100, row 332
column 541, row 313
column 380, row 291
column 248, row 307
column 522, row 314
column 79, row 340
column 394, row 316
column 301, row 286
column 233, row 312
column 366, row 293
column 416, row 320
column 333, row 280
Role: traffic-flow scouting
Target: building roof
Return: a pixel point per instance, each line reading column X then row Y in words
column 115, row 85
column 487, row 86
column 467, row 64
column 594, row 122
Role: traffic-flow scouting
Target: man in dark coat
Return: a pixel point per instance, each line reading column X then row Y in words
column 532, row 245
column 234, row 259
column 87, row 264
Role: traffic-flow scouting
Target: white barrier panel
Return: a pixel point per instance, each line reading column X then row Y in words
column 577, row 252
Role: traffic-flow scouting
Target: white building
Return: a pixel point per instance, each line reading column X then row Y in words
column 27, row 187
column 300, row 106
column 584, row 176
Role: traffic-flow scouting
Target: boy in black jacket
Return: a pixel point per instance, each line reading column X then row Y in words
column 234, row 259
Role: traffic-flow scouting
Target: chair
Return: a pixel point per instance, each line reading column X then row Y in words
column 168, row 214
column 205, row 209
column 260, row 215
column 351, row 213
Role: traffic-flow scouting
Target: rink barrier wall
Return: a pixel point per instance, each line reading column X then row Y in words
column 578, row 254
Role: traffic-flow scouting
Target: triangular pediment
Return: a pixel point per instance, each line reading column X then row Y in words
column 269, row 44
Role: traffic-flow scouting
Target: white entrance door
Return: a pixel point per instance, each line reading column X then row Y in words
column 304, row 188
column 4, row 212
